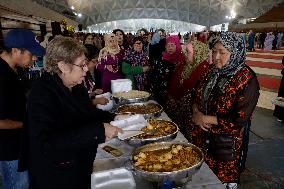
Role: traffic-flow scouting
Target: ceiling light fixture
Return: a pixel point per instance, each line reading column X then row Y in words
column 79, row 15
column 72, row 7
column 233, row 14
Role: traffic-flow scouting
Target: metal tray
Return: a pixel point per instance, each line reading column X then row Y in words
column 121, row 100
column 146, row 116
column 180, row 176
column 134, row 141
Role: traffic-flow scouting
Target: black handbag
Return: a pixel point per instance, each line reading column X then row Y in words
column 222, row 146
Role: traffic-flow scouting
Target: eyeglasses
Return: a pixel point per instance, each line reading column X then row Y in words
column 81, row 66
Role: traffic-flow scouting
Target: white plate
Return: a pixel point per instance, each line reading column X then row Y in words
column 119, row 178
column 276, row 101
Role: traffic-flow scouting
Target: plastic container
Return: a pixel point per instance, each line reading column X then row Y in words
column 121, row 85
column 119, row 178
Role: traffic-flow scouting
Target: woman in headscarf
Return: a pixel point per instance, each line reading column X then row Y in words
column 225, row 99
column 109, row 65
column 251, row 39
column 162, row 71
column 182, row 85
column 268, row 41
column 136, row 64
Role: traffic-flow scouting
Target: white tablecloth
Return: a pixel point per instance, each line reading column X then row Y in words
column 203, row 179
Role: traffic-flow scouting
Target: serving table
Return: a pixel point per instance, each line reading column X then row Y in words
column 203, row 179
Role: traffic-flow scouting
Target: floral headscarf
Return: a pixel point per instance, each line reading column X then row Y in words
column 235, row 44
column 199, row 52
column 107, row 49
column 135, row 58
column 177, row 56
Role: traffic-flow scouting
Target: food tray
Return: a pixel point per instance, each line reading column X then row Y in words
column 121, row 97
column 136, row 141
column 180, row 176
column 149, row 115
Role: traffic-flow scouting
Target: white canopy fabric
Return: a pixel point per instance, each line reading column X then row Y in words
column 29, row 7
column 202, row 12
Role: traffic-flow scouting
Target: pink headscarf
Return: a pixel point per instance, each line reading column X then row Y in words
column 177, row 56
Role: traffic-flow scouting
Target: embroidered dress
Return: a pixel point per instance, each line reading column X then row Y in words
column 110, row 55
column 186, row 76
column 233, row 106
column 230, row 94
column 161, row 71
column 133, row 68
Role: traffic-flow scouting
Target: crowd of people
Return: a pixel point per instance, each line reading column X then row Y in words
column 203, row 84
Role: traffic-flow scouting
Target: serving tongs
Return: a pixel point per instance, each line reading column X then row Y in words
column 149, row 132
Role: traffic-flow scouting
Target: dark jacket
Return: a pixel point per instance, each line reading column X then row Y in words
column 61, row 134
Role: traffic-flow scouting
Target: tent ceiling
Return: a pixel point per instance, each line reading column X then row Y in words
column 203, row 12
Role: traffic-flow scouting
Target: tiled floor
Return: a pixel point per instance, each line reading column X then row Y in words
column 265, row 162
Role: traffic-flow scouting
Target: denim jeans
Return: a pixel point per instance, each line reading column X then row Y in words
column 11, row 178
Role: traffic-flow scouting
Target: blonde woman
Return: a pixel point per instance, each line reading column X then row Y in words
column 63, row 128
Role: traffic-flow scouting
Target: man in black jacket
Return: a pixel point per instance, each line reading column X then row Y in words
column 21, row 50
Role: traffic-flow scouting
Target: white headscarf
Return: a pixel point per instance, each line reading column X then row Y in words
column 108, row 49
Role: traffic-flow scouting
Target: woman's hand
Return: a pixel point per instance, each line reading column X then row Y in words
column 201, row 120
column 99, row 91
column 101, row 101
column 111, row 131
column 145, row 68
column 111, row 69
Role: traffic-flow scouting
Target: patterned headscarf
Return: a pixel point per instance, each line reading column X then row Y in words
column 135, row 58
column 235, row 44
column 199, row 52
column 177, row 56
column 107, row 49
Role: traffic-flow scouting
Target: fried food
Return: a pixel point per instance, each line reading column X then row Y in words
column 132, row 94
column 161, row 127
column 140, row 109
column 178, row 157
